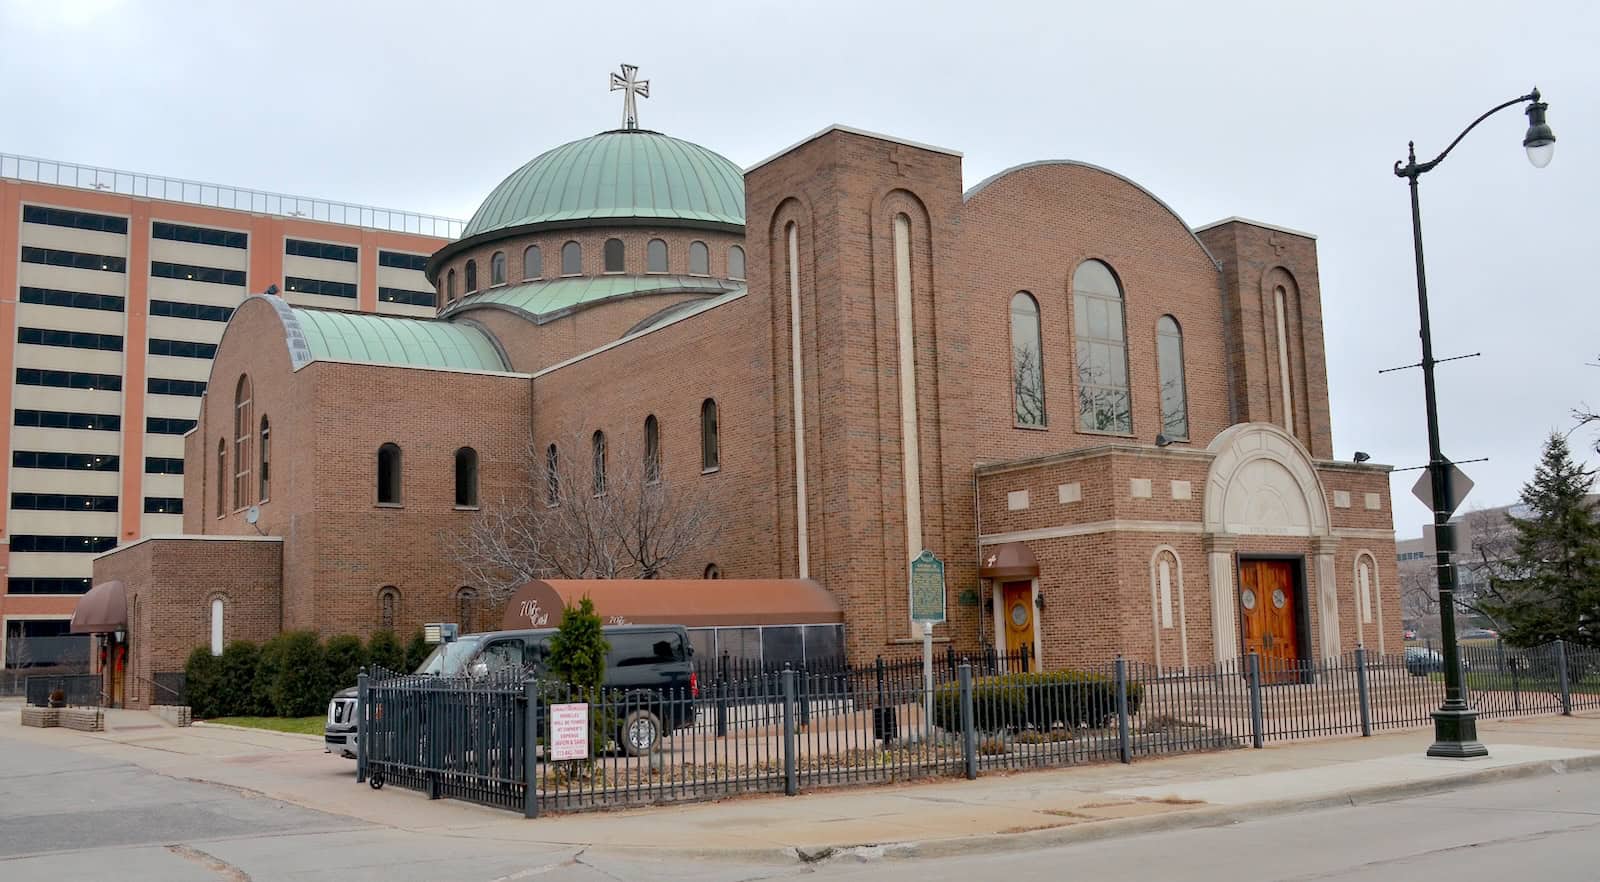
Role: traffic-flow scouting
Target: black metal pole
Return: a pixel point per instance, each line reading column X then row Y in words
column 1455, row 725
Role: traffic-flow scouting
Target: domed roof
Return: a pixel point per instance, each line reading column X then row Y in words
column 630, row 173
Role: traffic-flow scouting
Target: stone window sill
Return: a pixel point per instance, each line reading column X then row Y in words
column 388, row 505
column 468, row 508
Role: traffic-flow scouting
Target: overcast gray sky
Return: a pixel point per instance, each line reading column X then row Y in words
column 1289, row 113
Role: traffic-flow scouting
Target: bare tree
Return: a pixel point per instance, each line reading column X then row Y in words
column 583, row 514
column 1027, row 381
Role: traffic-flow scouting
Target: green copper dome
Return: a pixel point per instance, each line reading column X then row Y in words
column 613, row 176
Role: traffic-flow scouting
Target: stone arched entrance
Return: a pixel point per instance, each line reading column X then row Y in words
column 1262, row 483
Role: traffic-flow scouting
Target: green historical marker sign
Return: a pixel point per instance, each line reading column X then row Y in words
column 927, row 588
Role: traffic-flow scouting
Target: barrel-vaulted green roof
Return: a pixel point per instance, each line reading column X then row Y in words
column 315, row 334
column 630, row 173
column 548, row 299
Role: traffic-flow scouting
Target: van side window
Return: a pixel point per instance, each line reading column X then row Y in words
column 503, row 656
column 644, row 649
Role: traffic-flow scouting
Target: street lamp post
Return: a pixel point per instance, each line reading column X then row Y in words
column 1455, row 725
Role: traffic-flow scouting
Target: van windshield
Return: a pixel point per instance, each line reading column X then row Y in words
column 448, row 659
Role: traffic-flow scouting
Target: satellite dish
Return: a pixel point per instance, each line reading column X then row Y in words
column 252, row 514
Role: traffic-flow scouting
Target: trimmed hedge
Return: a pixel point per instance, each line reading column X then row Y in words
column 292, row 675
column 1042, row 700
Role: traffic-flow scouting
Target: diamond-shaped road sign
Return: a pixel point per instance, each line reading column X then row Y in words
column 1460, row 485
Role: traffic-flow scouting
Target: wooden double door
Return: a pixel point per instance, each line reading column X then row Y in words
column 1269, row 617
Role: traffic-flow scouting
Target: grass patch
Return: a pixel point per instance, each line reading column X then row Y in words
column 297, row 725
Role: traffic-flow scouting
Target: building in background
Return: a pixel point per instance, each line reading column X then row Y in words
column 115, row 288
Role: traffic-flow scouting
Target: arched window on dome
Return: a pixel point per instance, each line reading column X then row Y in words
column 532, row 263
column 736, row 262
column 266, row 460
column 1104, row 402
column 244, row 425
column 572, row 259
column 1027, row 361
column 699, row 259
column 497, row 268
column 710, row 437
column 552, row 476
column 1169, row 366
column 472, row 276
column 656, row 255
column 450, row 287
column 614, row 253
column 652, row 450
column 598, row 445
column 222, row 477
column 389, row 474
column 466, row 478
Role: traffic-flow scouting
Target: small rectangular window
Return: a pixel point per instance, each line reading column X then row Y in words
column 182, row 348
column 163, row 505
column 161, row 269
column 409, row 298
column 166, row 426
column 70, row 339
column 164, row 386
column 58, row 419
column 83, row 462
column 199, row 235
column 320, row 250
column 62, row 502
column 74, row 259
column 71, row 299
column 320, row 286
column 69, row 380
column 38, row 585
column 201, row 311
column 78, row 220
column 418, row 262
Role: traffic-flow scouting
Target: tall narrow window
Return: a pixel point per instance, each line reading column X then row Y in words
column 266, row 461
column 216, row 626
column 598, row 445
column 222, row 477
column 1104, row 403
column 614, row 254
column 388, row 607
column 710, row 444
column 736, row 262
column 472, row 276
column 1027, row 360
column 656, row 256
column 497, row 268
column 572, row 259
column 466, row 607
column 652, row 450
column 532, row 263
column 244, row 429
column 552, row 476
column 1169, row 365
column 389, row 475
column 466, row 477
column 699, row 259
column 450, row 287
column 1280, row 299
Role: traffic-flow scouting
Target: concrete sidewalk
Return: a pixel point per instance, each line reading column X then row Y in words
column 997, row 811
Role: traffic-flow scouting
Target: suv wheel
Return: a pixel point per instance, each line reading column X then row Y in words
column 641, row 732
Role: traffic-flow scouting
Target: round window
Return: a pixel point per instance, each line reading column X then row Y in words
column 1247, row 598
column 1278, row 598
column 1019, row 615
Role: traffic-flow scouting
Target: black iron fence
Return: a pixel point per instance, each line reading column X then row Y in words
column 80, row 690
column 503, row 741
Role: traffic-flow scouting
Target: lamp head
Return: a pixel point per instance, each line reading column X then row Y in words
column 1540, row 141
column 1362, row 456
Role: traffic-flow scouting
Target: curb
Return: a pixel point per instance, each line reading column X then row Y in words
column 1094, row 831
column 206, row 724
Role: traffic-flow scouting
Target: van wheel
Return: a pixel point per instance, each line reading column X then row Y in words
column 641, row 732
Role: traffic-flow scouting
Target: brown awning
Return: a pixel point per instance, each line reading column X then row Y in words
column 103, row 610
column 692, row 602
column 1013, row 560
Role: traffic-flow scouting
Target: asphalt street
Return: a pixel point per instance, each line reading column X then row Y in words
column 71, row 815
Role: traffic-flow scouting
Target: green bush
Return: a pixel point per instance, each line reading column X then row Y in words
column 299, row 685
column 200, row 683
column 239, row 688
column 346, row 657
column 1040, row 700
column 417, row 649
column 383, row 651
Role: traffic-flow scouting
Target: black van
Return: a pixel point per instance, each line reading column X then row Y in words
column 650, row 667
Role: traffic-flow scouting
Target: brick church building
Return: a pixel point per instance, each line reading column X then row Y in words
column 1112, row 427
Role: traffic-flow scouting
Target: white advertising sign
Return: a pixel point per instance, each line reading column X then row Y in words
column 569, row 731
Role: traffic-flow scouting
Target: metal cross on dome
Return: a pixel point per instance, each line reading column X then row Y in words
column 630, row 86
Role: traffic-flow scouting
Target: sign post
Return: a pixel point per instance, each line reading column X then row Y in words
column 928, row 608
